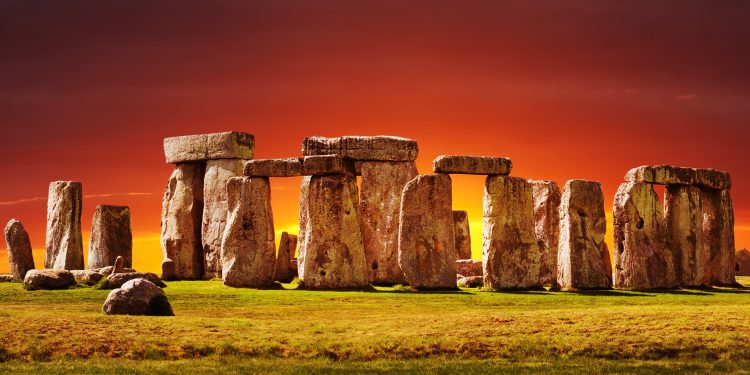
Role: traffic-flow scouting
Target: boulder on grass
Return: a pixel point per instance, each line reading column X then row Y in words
column 48, row 279
column 137, row 297
column 87, row 277
column 471, row 282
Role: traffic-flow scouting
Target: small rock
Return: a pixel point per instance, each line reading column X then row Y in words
column 87, row 277
column 167, row 270
column 119, row 266
column 48, row 279
column 471, row 282
column 137, row 297
column 6, row 278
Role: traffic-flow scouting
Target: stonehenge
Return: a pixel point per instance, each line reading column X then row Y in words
column 287, row 246
column 181, row 219
column 743, row 262
column 64, row 244
column 482, row 165
column 48, row 279
column 111, row 237
column 547, row 196
column 462, row 234
column 19, row 249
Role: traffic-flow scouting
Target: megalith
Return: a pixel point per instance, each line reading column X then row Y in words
column 462, row 235
column 64, row 244
column 110, row 237
column 19, row 249
column 215, row 211
column 547, row 195
column 181, row 217
column 303, row 211
column 683, row 210
column 287, row 246
column 718, row 224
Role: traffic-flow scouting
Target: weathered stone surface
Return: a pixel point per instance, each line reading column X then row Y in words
column 303, row 212
column 181, row 216
column 116, row 280
column 87, row 277
column 200, row 147
column 64, row 244
column 110, row 236
column 427, row 245
column 469, row 267
column 511, row 256
column 683, row 209
column 743, row 262
column 293, row 265
column 326, row 164
column 547, row 197
column 470, row 282
column 137, row 297
column 334, row 256
column 215, row 211
column 718, row 243
column 119, row 266
column 287, row 246
column 484, row 165
column 378, row 148
column 379, row 206
column 106, row 271
column 671, row 175
column 248, row 251
column 583, row 260
column 462, row 234
column 288, row 167
column 7, row 278
column 19, row 249
column 168, row 270
column 48, row 279
column 643, row 259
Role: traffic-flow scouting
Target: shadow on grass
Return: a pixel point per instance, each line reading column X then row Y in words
column 611, row 293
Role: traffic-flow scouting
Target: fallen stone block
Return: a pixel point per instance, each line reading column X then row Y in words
column 87, row 277
column 48, row 279
column 201, row 147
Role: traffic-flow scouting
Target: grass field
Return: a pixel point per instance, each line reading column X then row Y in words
column 223, row 330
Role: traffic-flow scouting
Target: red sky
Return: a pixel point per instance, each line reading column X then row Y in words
column 567, row 89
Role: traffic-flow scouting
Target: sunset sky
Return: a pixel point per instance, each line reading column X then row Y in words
column 567, row 89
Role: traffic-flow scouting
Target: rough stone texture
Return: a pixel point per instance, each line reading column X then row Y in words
column 583, row 260
column 511, row 256
column 483, row 165
column 200, row 147
column 671, row 175
column 683, row 209
column 289, row 167
column 168, row 270
column 326, row 164
column 181, row 215
column 218, row 172
column 64, row 244
column 116, row 280
column 334, row 256
column 377, row 148
column 718, row 243
column 106, row 271
column 303, row 211
column 469, row 267
column 462, row 234
column 379, row 205
column 137, row 297
column 287, row 246
column 743, row 262
column 427, row 245
column 19, row 249
column 87, row 277
column 48, row 279
column 547, row 197
column 643, row 259
column 248, row 251
column 119, row 266
column 110, row 236
column 471, row 282
column 7, row 278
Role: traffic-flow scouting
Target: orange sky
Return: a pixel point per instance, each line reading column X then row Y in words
column 567, row 89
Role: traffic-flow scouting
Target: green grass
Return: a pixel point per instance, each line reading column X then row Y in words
column 223, row 330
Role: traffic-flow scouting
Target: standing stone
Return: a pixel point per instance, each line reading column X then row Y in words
column 64, row 244
column 19, row 249
column 119, row 266
column 334, row 256
column 684, row 217
column 718, row 226
column 547, row 197
column 462, row 235
column 427, row 245
column 583, row 260
column 511, row 256
column 110, row 237
column 303, row 210
column 248, row 251
column 218, row 172
column 379, row 205
column 743, row 262
column 287, row 246
column 168, row 270
column 181, row 215
column 642, row 258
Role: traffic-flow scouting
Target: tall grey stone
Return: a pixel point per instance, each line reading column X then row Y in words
column 287, row 246
column 181, row 216
column 462, row 235
column 215, row 211
column 547, row 197
column 64, row 244
column 110, row 237
column 303, row 211
column 718, row 243
column 20, row 256
column 683, row 208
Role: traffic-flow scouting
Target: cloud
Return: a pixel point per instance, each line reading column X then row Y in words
column 37, row 199
column 22, row 201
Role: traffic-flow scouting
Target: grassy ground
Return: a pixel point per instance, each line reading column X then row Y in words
column 222, row 330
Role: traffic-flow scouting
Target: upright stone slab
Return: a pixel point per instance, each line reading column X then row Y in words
column 64, row 243
column 511, row 257
column 181, row 215
column 303, row 212
column 110, row 237
column 215, row 211
column 202, row 147
column 427, row 245
column 547, row 197
column 684, row 217
column 334, row 256
column 462, row 235
column 743, row 262
column 248, row 252
column 19, row 249
column 643, row 259
column 583, row 260
column 379, row 205
column 287, row 246
column 718, row 243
